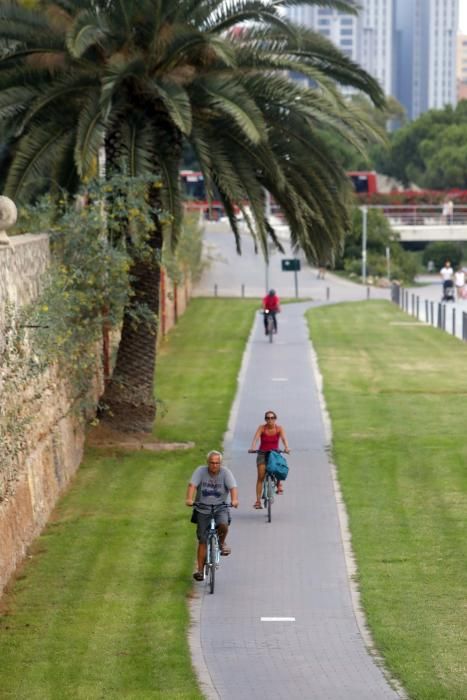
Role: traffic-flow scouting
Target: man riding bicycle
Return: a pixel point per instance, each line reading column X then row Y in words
column 271, row 304
column 212, row 484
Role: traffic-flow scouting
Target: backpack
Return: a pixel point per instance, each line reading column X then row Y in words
column 277, row 466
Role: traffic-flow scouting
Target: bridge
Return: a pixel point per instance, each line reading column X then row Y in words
column 425, row 223
column 413, row 223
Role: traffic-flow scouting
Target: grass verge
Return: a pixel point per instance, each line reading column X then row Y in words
column 99, row 609
column 397, row 395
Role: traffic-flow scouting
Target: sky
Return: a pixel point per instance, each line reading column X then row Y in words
column 463, row 16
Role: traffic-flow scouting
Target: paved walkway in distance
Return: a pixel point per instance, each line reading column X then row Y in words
column 293, row 567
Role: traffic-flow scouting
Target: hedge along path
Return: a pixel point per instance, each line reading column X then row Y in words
column 100, row 608
column 397, row 396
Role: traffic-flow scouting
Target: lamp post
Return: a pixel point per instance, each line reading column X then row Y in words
column 267, row 213
column 364, row 211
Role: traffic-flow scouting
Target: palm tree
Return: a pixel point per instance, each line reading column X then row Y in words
column 136, row 79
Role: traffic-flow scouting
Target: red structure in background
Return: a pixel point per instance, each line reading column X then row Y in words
column 368, row 192
column 196, row 199
column 365, row 183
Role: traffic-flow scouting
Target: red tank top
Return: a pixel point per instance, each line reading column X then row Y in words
column 269, row 442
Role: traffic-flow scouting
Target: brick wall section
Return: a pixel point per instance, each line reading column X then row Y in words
column 55, row 437
column 173, row 302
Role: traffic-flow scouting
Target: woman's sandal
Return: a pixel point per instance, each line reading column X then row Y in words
column 257, row 505
column 198, row 576
column 279, row 490
column 225, row 551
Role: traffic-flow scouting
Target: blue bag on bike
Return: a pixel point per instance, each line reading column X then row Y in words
column 277, row 466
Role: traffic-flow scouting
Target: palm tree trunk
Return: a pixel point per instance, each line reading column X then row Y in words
column 128, row 403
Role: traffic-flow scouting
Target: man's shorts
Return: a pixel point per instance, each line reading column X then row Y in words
column 204, row 520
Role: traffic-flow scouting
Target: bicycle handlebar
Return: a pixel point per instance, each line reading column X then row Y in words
column 253, row 452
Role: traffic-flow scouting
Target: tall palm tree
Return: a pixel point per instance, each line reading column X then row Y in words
column 137, row 78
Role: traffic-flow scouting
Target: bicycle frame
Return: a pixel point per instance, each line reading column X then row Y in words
column 213, row 549
column 212, row 539
column 269, row 324
column 269, row 486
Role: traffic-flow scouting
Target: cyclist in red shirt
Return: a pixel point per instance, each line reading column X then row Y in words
column 271, row 303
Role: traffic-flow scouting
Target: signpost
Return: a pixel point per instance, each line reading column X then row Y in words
column 292, row 265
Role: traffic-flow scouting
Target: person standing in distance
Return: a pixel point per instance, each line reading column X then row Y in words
column 447, row 274
column 271, row 303
column 212, row 484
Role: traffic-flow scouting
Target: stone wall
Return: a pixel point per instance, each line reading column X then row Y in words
column 55, row 437
column 22, row 264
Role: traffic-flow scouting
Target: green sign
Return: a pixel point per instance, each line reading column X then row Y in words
column 290, row 264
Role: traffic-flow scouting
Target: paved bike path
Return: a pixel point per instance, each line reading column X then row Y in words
column 293, row 567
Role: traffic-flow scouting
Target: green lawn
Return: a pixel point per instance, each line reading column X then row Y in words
column 99, row 611
column 397, row 396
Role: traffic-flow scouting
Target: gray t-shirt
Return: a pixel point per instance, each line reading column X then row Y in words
column 212, row 490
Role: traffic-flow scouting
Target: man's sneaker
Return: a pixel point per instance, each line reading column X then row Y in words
column 198, row 576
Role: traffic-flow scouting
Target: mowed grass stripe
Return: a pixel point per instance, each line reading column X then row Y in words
column 397, row 396
column 100, row 609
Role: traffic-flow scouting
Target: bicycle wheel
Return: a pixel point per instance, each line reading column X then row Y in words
column 269, row 490
column 264, row 495
column 270, row 328
column 213, row 545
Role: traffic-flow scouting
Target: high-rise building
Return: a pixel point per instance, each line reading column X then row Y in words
column 409, row 46
column 426, row 54
column 461, row 67
column 366, row 38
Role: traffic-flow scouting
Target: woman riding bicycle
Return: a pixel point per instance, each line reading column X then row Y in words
column 268, row 435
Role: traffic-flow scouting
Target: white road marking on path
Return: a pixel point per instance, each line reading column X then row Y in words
column 277, row 619
column 279, row 379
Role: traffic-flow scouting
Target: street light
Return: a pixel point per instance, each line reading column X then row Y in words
column 267, row 213
column 364, row 211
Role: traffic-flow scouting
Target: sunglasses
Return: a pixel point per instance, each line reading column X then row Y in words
column 271, row 417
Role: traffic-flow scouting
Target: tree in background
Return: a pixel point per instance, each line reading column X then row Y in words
column 440, row 251
column 125, row 83
column 352, row 158
column 431, row 151
column 380, row 237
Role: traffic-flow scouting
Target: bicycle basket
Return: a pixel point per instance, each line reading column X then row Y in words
column 277, row 466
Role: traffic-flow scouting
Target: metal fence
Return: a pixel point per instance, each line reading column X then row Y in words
column 443, row 315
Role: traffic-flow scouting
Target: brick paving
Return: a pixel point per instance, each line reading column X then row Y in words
column 293, row 567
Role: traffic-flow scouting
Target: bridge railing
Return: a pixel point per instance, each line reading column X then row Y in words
column 423, row 214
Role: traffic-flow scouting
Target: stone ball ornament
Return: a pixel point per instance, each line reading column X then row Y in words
column 8, row 217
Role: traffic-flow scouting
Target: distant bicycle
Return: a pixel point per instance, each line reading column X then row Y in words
column 213, row 549
column 270, row 484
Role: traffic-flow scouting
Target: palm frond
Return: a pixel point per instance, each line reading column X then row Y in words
column 84, row 33
column 177, row 103
column 89, row 135
column 171, row 199
column 35, row 156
